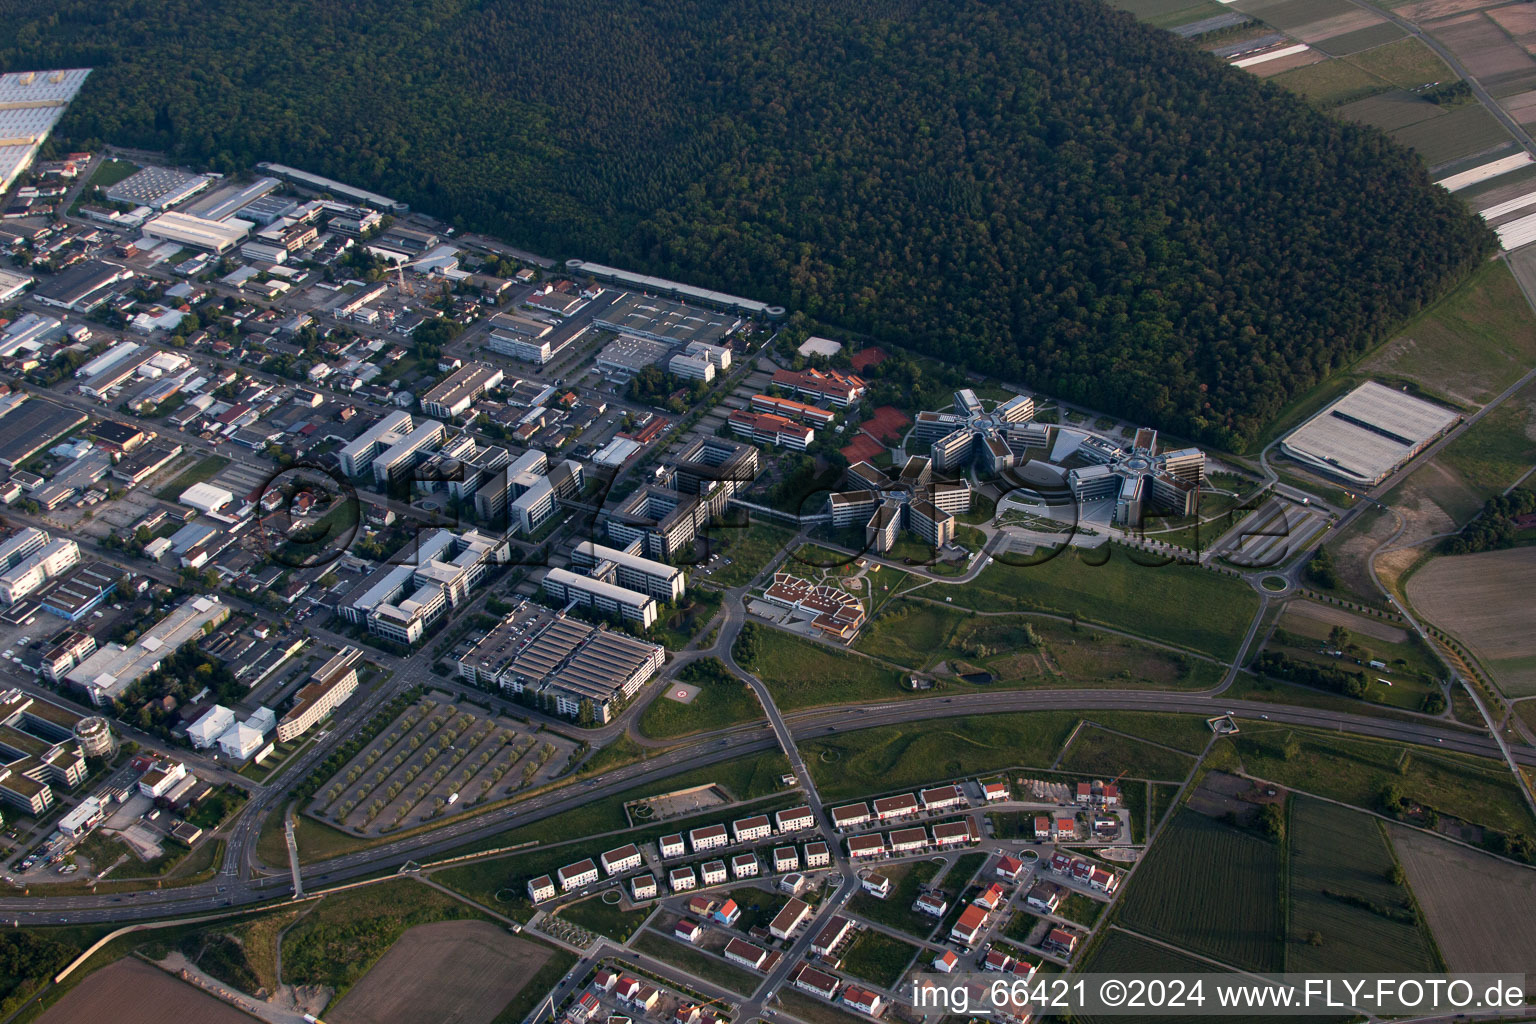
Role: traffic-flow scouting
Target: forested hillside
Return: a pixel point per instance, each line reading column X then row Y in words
column 1043, row 189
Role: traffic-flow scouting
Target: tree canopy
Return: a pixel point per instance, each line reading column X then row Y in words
column 1046, row 191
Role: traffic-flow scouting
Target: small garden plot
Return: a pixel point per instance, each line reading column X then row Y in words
column 878, row 958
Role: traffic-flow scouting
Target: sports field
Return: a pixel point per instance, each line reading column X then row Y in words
column 130, row 991
column 1485, row 601
column 463, row 971
column 1346, row 913
column 1210, row 889
column 1482, row 909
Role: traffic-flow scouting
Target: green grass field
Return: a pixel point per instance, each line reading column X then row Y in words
column 892, row 757
column 895, row 911
column 711, row 969
column 1341, row 894
column 206, row 469
column 721, row 702
column 879, row 958
column 1496, row 450
column 1021, row 651
column 1406, row 63
column 604, row 918
column 802, row 673
column 1212, row 890
column 1096, row 752
column 1176, row 604
column 1466, row 130
column 749, row 549
column 1356, row 770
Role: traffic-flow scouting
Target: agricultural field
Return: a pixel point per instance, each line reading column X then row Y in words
column 1210, row 889
column 894, row 757
column 131, row 991
column 878, row 958
column 1121, row 953
column 1346, row 913
column 346, row 934
column 1406, row 63
column 1391, row 110
column 1497, row 450
column 1356, row 771
column 1095, row 751
column 1478, row 906
column 1176, row 604
column 463, row 971
column 1441, row 140
column 433, row 757
column 1484, row 600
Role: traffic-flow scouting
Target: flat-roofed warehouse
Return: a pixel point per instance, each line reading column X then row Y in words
column 1364, row 436
column 32, row 426
column 670, row 323
column 31, row 102
column 217, row 236
column 158, row 187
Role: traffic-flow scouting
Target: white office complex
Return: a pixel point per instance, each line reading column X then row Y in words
column 1367, row 434
column 453, row 397
column 636, row 572
column 31, row 103
column 409, row 599
column 391, row 446
column 564, row 585
column 112, row 669
column 30, row 557
column 329, row 686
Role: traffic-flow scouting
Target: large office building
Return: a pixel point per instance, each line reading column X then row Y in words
column 39, row 749
column 104, row 675
column 636, row 572
column 663, row 520
column 403, row 602
column 769, row 428
column 570, row 663
column 453, row 397
column 907, row 497
column 30, row 557
column 609, row 598
column 390, row 447
column 714, row 469
column 1364, row 436
column 521, row 337
column 329, row 686
column 31, row 103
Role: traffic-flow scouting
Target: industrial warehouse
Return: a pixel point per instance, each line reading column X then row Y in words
column 1367, row 434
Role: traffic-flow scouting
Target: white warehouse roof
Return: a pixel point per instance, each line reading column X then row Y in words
column 1367, row 434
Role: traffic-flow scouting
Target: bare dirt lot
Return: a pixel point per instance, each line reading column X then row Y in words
column 130, row 991
column 1485, row 600
column 1482, row 910
column 1330, row 616
column 460, row 971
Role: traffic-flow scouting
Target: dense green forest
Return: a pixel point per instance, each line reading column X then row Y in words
column 1048, row 191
